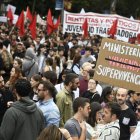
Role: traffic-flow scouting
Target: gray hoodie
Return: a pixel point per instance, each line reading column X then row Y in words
column 30, row 66
column 22, row 121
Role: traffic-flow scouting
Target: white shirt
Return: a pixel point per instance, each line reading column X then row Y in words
column 59, row 87
column 136, row 134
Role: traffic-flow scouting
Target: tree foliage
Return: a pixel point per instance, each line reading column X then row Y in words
column 125, row 8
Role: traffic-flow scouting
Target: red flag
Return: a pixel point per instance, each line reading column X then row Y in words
column 32, row 27
column 50, row 25
column 85, row 28
column 20, row 24
column 10, row 16
column 57, row 23
column 113, row 29
column 28, row 14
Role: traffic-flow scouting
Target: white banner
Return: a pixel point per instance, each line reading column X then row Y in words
column 3, row 19
column 100, row 24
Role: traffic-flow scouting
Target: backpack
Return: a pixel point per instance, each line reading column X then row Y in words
column 75, row 65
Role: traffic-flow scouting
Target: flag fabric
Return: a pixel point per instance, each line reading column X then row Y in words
column 113, row 29
column 10, row 16
column 32, row 27
column 138, row 38
column 57, row 23
column 28, row 14
column 85, row 28
column 49, row 23
column 20, row 24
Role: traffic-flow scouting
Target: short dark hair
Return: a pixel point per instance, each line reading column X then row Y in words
column 70, row 78
column 51, row 76
column 131, row 92
column 79, row 102
column 114, row 107
column 23, row 87
column 47, row 85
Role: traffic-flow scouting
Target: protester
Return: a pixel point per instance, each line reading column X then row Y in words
column 95, row 121
column 112, row 129
column 46, row 95
column 107, row 96
column 84, row 77
column 92, row 94
column 54, row 133
column 136, row 134
column 35, row 81
column 29, row 65
column 65, row 97
column 127, row 119
column 5, row 97
column 133, row 99
column 76, row 125
column 17, row 63
column 23, row 120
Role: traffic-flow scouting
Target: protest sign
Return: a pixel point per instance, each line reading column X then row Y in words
column 119, row 64
column 3, row 19
column 99, row 24
column 13, row 8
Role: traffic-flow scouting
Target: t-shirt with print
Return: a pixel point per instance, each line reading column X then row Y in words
column 127, row 119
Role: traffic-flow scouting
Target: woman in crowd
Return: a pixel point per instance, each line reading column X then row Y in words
column 17, row 63
column 54, row 133
column 35, row 80
column 107, row 95
column 92, row 93
column 15, row 74
column 95, row 122
column 76, row 64
column 49, row 64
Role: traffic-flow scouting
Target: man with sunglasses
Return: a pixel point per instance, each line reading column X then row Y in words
column 133, row 100
column 136, row 134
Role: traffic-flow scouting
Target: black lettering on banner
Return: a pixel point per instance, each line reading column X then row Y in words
column 126, row 34
column 91, row 29
column 73, row 28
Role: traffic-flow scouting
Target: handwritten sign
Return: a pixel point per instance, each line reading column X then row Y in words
column 119, row 64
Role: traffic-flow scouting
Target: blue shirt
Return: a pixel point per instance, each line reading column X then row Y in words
column 50, row 112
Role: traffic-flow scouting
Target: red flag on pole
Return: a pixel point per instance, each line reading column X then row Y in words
column 49, row 23
column 10, row 16
column 28, row 14
column 85, row 28
column 113, row 29
column 57, row 23
column 20, row 24
column 32, row 27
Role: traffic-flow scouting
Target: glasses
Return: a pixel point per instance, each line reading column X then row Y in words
column 138, row 94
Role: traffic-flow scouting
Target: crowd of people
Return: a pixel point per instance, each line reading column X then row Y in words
column 48, row 90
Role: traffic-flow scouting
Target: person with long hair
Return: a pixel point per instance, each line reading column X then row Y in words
column 54, row 133
column 35, row 80
column 15, row 74
column 107, row 95
column 95, row 122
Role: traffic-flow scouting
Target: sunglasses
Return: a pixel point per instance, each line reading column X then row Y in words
column 138, row 109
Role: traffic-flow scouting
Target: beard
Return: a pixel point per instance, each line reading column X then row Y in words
column 120, row 102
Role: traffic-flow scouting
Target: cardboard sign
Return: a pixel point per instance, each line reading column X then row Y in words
column 99, row 24
column 119, row 64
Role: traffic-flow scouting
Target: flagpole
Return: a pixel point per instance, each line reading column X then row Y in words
column 34, row 3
